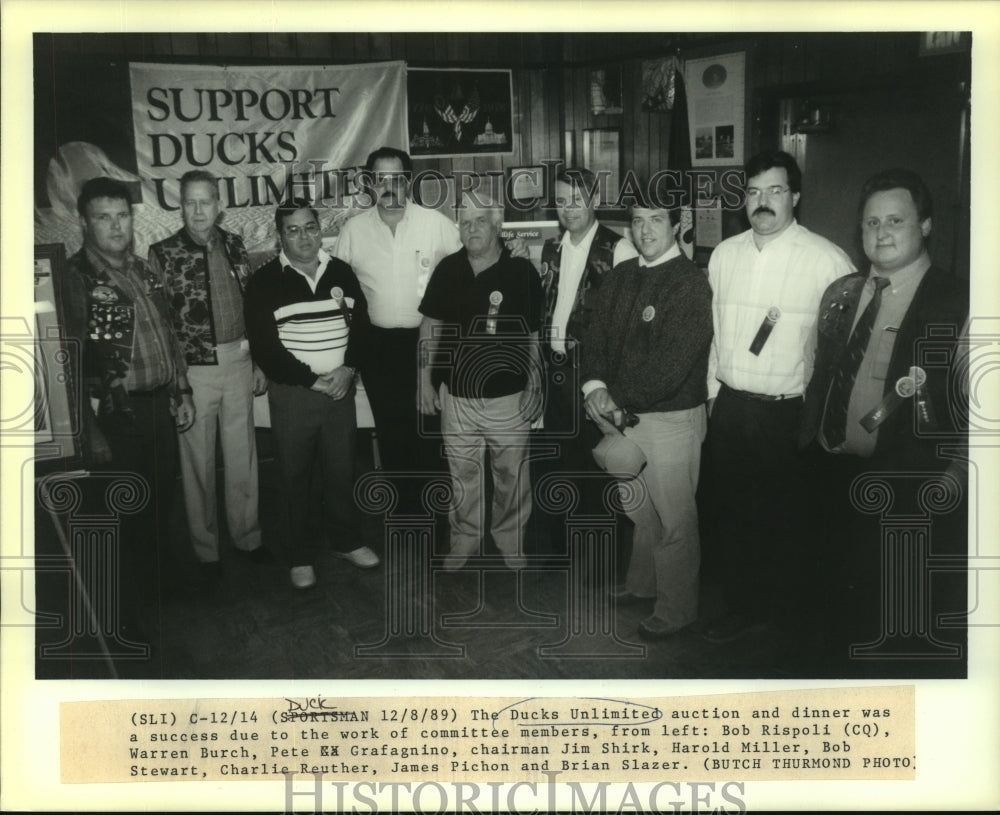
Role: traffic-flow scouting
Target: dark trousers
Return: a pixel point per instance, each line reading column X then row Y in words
column 144, row 445
column 858, row 507
column 310, row 429
column 758, row 503
column 573, row 436
column 407, row 442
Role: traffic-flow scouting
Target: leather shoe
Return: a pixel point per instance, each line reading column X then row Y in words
column 623, row 597
column 260, row 555
column 362, row 557
column 731, row 627
column 653, row 628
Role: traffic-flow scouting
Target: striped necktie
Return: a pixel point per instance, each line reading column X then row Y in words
column 835, row 418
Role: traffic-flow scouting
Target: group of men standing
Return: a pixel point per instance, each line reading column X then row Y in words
column 634, row 354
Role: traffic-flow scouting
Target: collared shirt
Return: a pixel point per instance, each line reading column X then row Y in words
column 869, row 386
column 790, row 273
column 673, row 252
column 393, row 269
column 156, row 355
column 227, row 299
column 572, row 265
column 322, row 259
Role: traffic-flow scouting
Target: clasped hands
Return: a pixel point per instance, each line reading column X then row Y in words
column 336, row 383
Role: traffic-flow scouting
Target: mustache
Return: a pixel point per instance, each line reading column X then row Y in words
column 761, row 209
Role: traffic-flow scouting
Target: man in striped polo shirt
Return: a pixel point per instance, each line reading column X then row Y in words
column 307, row 322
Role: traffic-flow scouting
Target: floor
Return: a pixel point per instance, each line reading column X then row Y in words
column 409, row 618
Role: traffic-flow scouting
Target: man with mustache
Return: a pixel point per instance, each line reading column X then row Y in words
column 767, row 283
column 393, row 247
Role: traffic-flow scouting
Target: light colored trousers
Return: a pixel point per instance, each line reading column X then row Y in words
column 223, row 401
column 469, row 426
column 666, row 551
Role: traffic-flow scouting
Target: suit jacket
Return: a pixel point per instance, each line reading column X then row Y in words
column 941, row 301
column 600, row 260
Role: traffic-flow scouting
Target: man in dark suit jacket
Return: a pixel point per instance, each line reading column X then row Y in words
column 573, row 267
column 882, row 395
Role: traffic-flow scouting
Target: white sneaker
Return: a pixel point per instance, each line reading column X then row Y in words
column 303, row 577
column 362, row 557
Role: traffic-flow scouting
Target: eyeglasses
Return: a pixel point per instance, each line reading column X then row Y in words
column 312, row 230
column 771, row 192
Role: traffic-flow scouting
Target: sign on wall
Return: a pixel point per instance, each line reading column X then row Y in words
column 716, row 91
column 263, row 131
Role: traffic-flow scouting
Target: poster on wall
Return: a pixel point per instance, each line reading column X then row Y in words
column 454, row 112
column 264, row 131
column 716, row 88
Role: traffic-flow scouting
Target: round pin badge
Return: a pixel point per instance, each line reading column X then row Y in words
column 104, row 294
column 919, row 375
column 337, row 293
column 773, row 314
column 905, row 386
column 496, row 298
column 648, row 313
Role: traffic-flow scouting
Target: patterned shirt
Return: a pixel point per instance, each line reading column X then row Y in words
column 156, row 356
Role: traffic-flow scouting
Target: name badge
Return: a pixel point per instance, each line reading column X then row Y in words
column 904, row 389
column 496, row 298
column 766, row 327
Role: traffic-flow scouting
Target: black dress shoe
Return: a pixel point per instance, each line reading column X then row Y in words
column 732, row 626
column 260, row 555
column 653, row 629
column 623, row 597
column 211, row 573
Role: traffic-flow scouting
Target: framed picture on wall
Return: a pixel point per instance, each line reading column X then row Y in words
column 56, row 414
column 602, row 154
column 459, row 112
column 525, row 184
column 716, row 90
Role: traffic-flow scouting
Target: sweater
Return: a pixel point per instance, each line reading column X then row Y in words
column 650, row 335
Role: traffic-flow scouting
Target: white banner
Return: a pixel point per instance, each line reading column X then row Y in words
column 264, row 132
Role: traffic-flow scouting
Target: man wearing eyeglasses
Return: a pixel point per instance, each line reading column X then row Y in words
column 767, row 283
column 307, row 321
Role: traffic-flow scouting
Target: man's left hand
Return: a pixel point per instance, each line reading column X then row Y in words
column 185, row 413
column 340, row 380
column 259, row 382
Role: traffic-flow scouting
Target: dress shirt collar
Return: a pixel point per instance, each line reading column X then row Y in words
column 788, row 234
column 321, row 256
column 905, row 276
column 211, row 242
column 103, row 265
column 673, row 252
column 584, row 243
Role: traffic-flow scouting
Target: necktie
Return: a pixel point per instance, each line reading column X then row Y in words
column 835, row 418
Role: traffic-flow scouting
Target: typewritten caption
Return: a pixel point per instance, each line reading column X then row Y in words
column 846, row 734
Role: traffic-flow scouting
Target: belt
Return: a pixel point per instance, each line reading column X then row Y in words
column 762, row 397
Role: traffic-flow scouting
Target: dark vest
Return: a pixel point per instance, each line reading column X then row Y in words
column 941, row 301
column 600, row 260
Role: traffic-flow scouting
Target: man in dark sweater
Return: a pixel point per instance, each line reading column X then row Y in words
column 307, row 322
column 646, row 352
